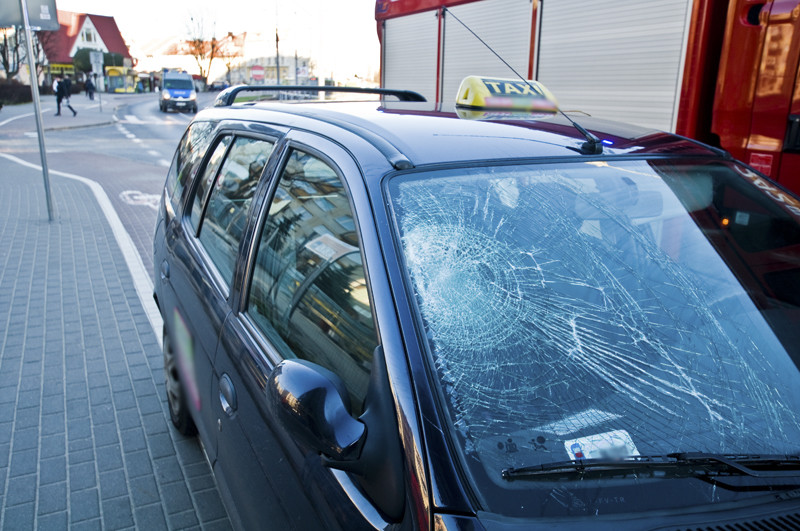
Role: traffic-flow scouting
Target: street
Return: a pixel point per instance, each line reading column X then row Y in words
column 85, row 436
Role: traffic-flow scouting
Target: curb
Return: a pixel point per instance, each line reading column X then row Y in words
column 111, row 121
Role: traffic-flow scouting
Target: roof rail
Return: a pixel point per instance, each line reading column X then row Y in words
column 227, row 96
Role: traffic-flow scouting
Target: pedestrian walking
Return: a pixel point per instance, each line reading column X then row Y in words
column 89, row 88
column 61, row 87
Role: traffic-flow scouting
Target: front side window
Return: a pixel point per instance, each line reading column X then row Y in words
column 309, row 293
column 604, row 310
column 229, row 203
column 187, row 159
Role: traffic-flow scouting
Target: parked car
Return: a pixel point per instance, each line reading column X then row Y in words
column 217, row 86
column 378, row 315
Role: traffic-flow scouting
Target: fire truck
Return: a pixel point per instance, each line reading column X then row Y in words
column 721, row 71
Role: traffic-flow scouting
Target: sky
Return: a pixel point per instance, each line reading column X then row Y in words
column 340, row 36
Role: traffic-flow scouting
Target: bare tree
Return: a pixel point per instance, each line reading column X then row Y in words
column 42, row 42
column 231, row 50
column 9, row 51
column 202, row 49
column 14, row 50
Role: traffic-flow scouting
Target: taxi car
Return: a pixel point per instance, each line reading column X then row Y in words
column 378, row 315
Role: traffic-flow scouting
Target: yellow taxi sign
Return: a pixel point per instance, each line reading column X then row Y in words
column 493, row 98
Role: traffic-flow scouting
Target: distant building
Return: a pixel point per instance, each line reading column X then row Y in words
column 258, row 65
column 241, row 58
column 94, row 32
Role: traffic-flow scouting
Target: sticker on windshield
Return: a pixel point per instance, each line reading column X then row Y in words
column 610, row 445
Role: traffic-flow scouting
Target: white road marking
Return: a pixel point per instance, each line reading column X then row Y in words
column 135, row 197
column 141, row 278
column 4, row 122
column 130, row 135
column 153, row 152
column 165, row 163
column 137, row 140
column 135, row 120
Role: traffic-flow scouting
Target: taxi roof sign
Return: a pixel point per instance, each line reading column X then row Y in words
column 492, row 98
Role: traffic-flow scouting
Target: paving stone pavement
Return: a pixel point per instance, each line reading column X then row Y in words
column 85, row 437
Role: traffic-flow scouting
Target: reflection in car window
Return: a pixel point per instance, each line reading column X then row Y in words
column 308, row 293
column 600, row 309
column 187, row 158
column 204, row 184
column 229, row 203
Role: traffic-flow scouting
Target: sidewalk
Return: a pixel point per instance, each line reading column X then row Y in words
column 85, row 437
column 89, row 113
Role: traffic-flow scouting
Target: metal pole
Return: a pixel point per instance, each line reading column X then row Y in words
column 36, row 106
column 277, row 60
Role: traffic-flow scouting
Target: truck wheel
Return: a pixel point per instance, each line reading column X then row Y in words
column 176, row 394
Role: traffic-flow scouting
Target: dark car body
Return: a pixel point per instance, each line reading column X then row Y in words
column 367, row 313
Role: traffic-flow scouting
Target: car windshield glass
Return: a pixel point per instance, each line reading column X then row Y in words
column 178, row 84
column 604, row 309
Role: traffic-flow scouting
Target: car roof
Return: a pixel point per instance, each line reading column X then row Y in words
column 424, row 133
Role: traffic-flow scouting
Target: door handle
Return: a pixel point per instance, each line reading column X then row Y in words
column 227, row 395
column 164, row 270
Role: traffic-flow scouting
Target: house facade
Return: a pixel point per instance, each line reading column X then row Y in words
column 96, row 33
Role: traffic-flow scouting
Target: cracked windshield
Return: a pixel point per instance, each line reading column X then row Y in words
column 591, row 310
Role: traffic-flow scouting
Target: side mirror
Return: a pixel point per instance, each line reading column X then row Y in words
column 313, row 405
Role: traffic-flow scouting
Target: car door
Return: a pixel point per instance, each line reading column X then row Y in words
column 192, row 309
column 205, row 257
column 306, row 297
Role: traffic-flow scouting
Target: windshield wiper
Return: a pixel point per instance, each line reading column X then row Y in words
column 759, row 466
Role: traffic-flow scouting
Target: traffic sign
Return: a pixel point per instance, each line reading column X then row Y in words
column 42, row 14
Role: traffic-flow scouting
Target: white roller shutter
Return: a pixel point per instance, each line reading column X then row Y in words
column 620, row 60
column 410, row 50
column 505, row 25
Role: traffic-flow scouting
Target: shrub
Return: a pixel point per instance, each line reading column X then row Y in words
column 12, row 91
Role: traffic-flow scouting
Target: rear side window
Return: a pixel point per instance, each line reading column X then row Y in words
column 309, row 293
column 204, row 185
column 229, row 202
column 187, row 160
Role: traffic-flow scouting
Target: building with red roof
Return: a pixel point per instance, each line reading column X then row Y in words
column 94, row 32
